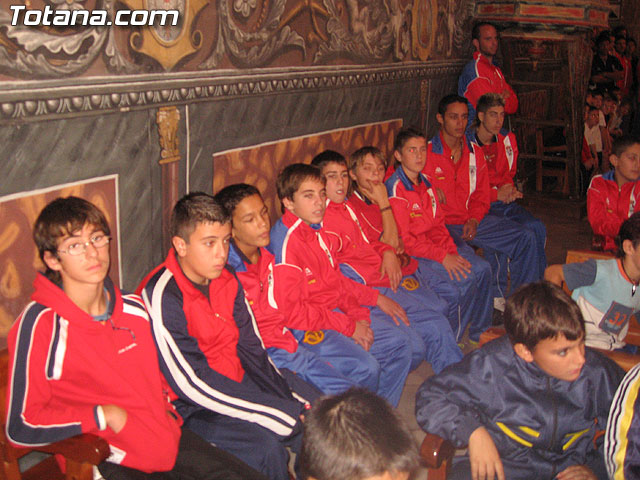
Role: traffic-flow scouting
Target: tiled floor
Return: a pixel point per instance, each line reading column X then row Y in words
column 567, row 228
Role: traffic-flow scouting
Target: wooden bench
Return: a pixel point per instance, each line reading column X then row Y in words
column 81, row 452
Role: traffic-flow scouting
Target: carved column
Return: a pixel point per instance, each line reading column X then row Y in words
column 168, row 119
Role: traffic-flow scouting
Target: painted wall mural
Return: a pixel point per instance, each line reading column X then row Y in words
column 259, row 165
column 19, row 260
column 234, row 34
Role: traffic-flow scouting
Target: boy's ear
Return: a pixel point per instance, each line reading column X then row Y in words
column 397, row 156
column 52, row 261
column 180, row 245
column 288, row 204
column 352, row 175
column 440, row 118
column 523, row 352
column 613, row 159
column 476, row 44
column 627, row 247
column 480, row 116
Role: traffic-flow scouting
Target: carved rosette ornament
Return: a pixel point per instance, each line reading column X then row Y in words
column 168, row 119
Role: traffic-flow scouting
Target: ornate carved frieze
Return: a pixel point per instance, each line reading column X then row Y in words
column 31, row 101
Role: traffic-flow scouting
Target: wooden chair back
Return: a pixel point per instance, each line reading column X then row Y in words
column 81, row 452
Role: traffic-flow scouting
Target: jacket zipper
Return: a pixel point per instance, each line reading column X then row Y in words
column 555, row 423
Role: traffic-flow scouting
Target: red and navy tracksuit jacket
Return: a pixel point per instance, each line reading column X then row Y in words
column 608, row 206
column 63, row 364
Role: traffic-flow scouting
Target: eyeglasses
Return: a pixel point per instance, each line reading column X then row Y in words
column 99, row 240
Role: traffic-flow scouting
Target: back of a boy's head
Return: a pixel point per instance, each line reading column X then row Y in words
column 541, row 310
column 328, row 156
column 353, row 436
column 621, row 144
column 629, row 230
column 230, row 196
column 357, row 158
column 195, row 208
column 404, row 136
column 63, row 217
column 292, row 176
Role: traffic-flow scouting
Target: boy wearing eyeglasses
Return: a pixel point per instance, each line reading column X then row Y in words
column 82, row 360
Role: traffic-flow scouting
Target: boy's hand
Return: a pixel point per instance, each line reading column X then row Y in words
column 577, row 472
column 393, row 309
column 505, row 192
column 115, row 416
column 363, row 335
column 376, row 192
column 441, row 198
column 469, row 229
column 484, row 456
column 457, row 266
column 392, row 268
column 404, row 259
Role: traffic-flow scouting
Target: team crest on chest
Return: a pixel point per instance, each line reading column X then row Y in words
column 410, row 284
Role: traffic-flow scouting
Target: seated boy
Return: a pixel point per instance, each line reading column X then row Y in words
column 223, row 383
column 527, row 404
column 420, row 220
column 287, row 320
column 605, row 289
column 457, row 170
column 82, row 360
column 622, row 440
column 302, row 248
column 612, row 197
column 356, row 436
column 376, row 264
column 501, row 154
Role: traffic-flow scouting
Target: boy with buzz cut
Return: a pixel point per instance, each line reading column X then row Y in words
column 356, row 436
column 297, row 334
column 612, row 196
column 605, row 289
column 527, row 404
column 82, row 360
column 222, row 381
column 302, row 248
column 376, row 264
column 420, row 220
column 457, row 169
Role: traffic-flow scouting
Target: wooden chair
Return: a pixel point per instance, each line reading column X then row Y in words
column 81, row 452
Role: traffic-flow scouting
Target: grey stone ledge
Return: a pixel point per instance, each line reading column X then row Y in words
column 45, row 100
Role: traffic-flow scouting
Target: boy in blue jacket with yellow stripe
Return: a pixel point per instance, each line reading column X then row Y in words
column 528, row 404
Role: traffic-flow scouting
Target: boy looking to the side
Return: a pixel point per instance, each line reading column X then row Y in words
column 82, row 360
column 420, row 220
column 457, row 169
column 501, row 155
column 223, row 383
column 612, row 196
column 301, row 247
column 376, row 264
column 356, row 436
column 605, row 289
column 528, row 403
column 298, row 335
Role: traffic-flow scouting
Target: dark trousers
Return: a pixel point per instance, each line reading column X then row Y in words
column 196, row 460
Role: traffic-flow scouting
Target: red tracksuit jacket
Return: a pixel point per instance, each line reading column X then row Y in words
column 501, row 157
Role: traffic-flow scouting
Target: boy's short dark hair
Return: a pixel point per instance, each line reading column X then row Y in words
column 541, row 310
column 621, row 144
column 449, row 100
column 629, row 230
column 231, row 195
column 328, row 156
column 475, row 31
column 195, row 208
column 62, row 217
column 404, row 136
column 292, row 176
column 355, row 435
